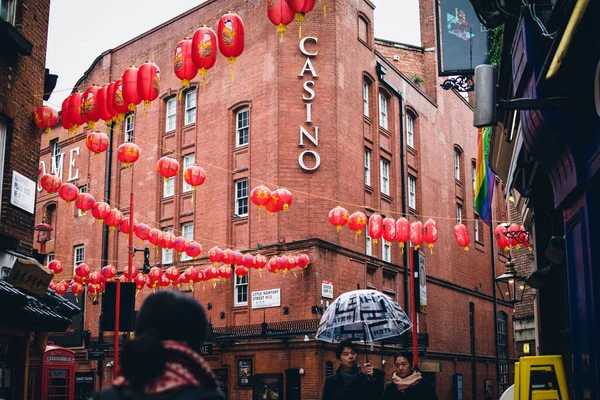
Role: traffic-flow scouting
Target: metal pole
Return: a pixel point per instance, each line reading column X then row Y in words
column 493, row 258
column 415, row 338
column 107, row 182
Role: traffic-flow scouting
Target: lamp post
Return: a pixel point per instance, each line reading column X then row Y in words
column 510, row 284
column 44, row 231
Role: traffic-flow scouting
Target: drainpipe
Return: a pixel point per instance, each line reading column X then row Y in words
column 381, row 75
column 493, row 259
column 107, row 193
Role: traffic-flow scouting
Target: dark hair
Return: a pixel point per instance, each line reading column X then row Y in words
column 342, row 345
column 166, row 315
column 406, row 354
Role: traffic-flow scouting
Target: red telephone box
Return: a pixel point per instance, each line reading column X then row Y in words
column 52, row 374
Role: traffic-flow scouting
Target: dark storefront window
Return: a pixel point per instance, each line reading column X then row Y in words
column 502, row 323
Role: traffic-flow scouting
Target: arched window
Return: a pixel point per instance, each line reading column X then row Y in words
column 458, row 163
column 363, row 29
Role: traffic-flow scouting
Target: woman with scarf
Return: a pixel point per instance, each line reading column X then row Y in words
column 163, row 361
column 407, row 383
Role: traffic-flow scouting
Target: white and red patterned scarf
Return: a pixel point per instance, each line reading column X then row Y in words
column 184, row 368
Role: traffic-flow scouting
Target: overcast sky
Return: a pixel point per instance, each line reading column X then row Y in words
column 80, row 31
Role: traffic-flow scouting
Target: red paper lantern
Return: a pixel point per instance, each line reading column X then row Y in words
column 55, row 266
column 237, row 258
column 225, row 271
column 274, row 265
column 193, row 250
column 68, row 192
column 130, row 88
column 191, row 276
column 375, row 227
column 140, row 281
column 109, row 272
column 204, row 50
column 51, row 183
column 215, row 255
column 302, row 261
column 259, row 263
column 416, row 234
column 128, row 153
column 501, row 239
column 194, row 176
column 91, row 111
column 85, row 202
column 142, row 231
column 181, row 244
column 96, row 142
column 461, row 235
column 101, row 210
column 152, row 284
column 102, row 105
column 114, row 219
column 430, row 233
column 241, row 271
column 357, row 222
column 231, row 37
column 75, row 111
column 389, row 229
column 155, row 236
column 172, row 273
column 154, row 274
column 301, row 7
column 184, row 66
column 164, row 281
column 118, row 101
column 338, row 217
column 280, row 14
column 228, row 256
column 260, row 196
column 248, row 260
column 513, row 237
column 125, row 226
column 167, row 167
column 94, row 278
column 281, row 199
column 77, row 288
column 148, row 82
column 64, row 115
column 82, row 270
column 61, row 287
column 212, row 273
column 168, row 240
column 130, row 273
column 402, row 231
column 45, row 118
column 271, row 207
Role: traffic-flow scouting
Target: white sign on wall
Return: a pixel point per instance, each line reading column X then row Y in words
column 327, row 289
column 266, row 298
column 22, row 192
column 422, row 283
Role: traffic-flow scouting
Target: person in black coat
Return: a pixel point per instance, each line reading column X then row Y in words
column 163, row 362
column 407, row 383
column 349, row 382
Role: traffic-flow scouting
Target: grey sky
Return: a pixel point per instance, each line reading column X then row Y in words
column 79, row 31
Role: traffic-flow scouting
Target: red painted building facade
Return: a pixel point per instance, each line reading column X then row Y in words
column 333, row 118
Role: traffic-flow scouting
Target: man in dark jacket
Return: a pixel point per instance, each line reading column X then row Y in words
column 349, row 382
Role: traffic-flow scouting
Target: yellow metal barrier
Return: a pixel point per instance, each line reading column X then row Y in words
column 540, row 378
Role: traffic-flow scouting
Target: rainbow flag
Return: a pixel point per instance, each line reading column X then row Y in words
column 484, row 177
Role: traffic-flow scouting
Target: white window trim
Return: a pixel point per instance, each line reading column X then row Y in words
column 458, row 213
column 457, row 165
column 170, row 101
column 129, row 127
column 189, row 94
column 75, row 258
column 169, row 184
column 366, row 98
column 82, row 189
column 473, row 174
column 368, row 243
column 167, row 255
column 187, row 233
column 386, row 251
column 238, row 200
column 410, row 131
column 383, row 111
column 238, row 129
column 412, row 192
column 367, row 160
column 188, row 161
column 49, row 257
column 385, row 176
column 11, row 12
column 237, row 286
column 476, row 228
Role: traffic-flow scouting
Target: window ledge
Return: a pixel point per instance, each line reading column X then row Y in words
column 458, row 182
column 367, row 45
column 385, row 131
column 243, row 218
column 240, row 305
column 168, row 133
column 369, row 189
column 413, row 211
column 411, row 150
column 166, row 198
column 387, row 198
column 241, row 147
column 368, row 119
column 189, row 126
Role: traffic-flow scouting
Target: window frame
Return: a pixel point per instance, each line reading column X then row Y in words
column 11, row 12
column 457, row 159
column 169, row 187
column 239, row 283
column 384, row 171
column 410, row 131
column 474, row 174
column 412, row 179
column 56, row 158
column 188, row 108
column 185, row 162
column 75, row 257
column 82, row 189
column 386, row 251
column 368, row 243
column 188, row 235
column 367, row 166
column 166, row 255
column 129, row 128
column 383, row 111
column 49, row 257
column 239, row 201
column 476, row 232
column 173, row 115
column 366, row 90
column 459, row 210
column 239, row 135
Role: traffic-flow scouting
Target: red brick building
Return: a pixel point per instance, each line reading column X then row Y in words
column 363, row 134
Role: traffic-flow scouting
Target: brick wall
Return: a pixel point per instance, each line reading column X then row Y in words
column 21, row 92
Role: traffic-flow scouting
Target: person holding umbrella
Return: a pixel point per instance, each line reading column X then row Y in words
column 407, row 383
column 349, row 382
